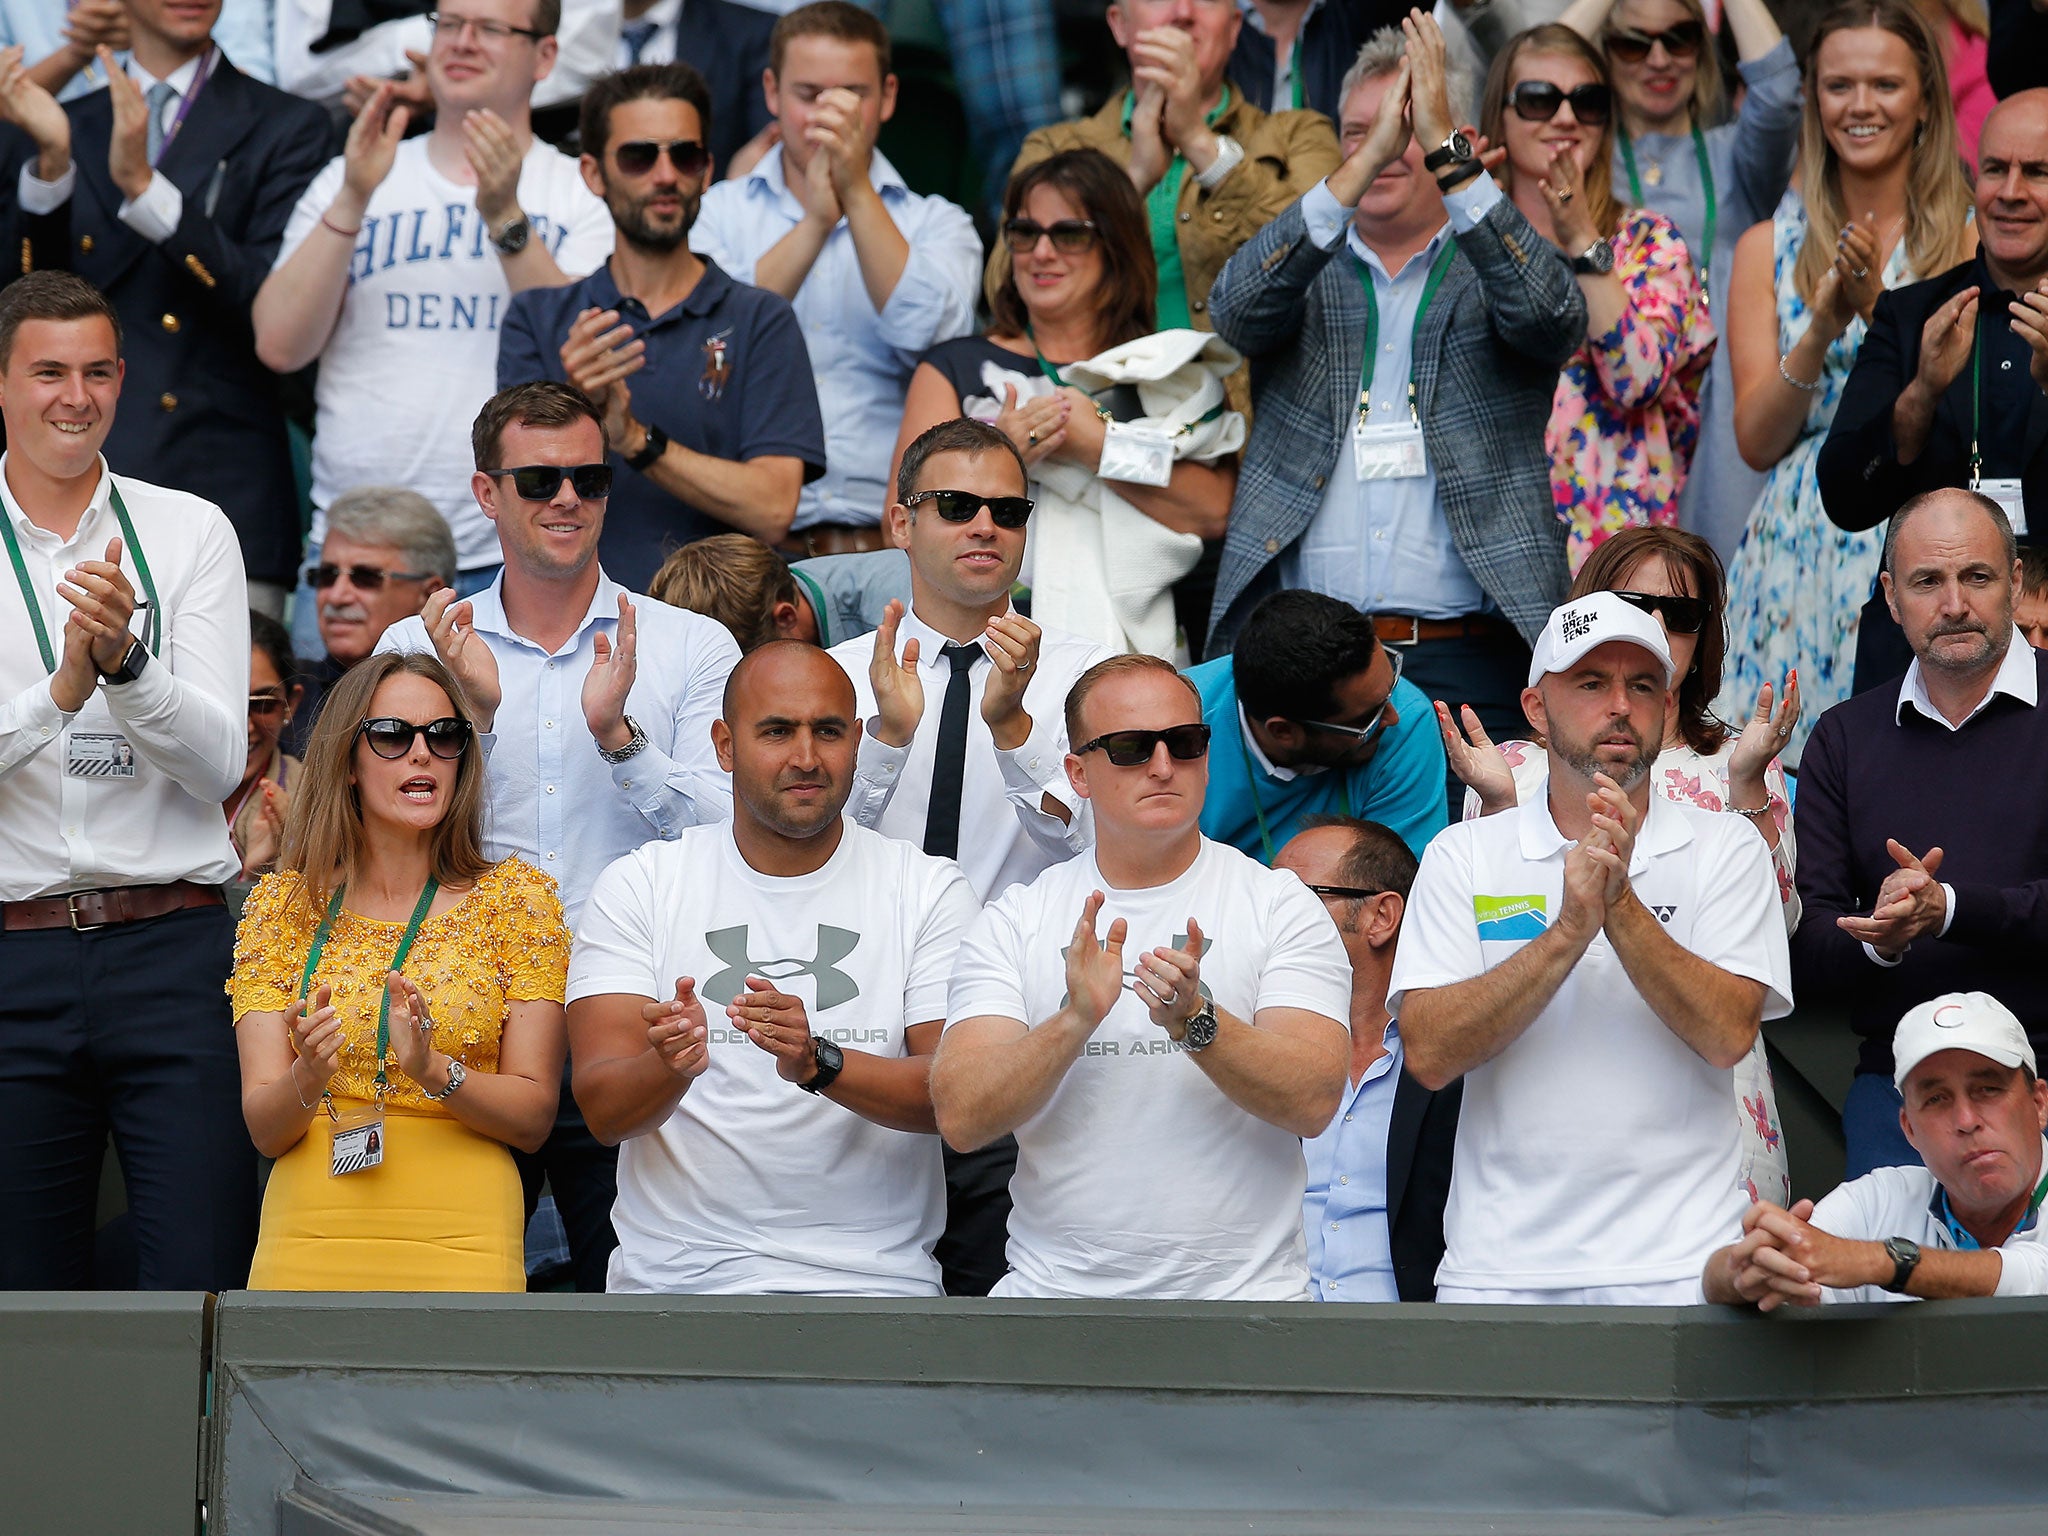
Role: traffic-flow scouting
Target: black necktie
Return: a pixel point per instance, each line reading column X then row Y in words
column 949, row 761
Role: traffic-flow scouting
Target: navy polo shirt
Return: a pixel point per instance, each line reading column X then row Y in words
column 727, row 374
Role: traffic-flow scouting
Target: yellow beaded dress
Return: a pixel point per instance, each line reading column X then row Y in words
column 443, row 1211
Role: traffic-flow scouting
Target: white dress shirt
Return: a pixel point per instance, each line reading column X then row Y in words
column 862, row 359
column 1006, row 836
column 184, row 719
column 664, row 16
column 154, row 214
column 553, row 800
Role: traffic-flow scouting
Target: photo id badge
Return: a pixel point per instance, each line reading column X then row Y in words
column 1136, row 455
column 358, row 1144
column 99, row 755
column 2007, row 494
column 1388, row 452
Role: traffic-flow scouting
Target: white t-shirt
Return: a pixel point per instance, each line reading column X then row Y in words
column 1900, row 1202
column 414, row 354
column 1596, row 1150
column 754, row 1186
column 1139, row 1178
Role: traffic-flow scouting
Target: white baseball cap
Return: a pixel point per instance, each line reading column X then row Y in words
column 1588, row 622
column 1960, row 1021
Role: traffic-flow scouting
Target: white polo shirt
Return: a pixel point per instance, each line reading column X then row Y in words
column 1903, row 1202
column 1597, row 1150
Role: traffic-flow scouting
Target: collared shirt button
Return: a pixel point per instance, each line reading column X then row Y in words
column 1347, row 1119
column 1343, row 1178
column 1199, row 305
column 549, row 724
column 1334, row 1227
column 551, row 789
column 551, row 858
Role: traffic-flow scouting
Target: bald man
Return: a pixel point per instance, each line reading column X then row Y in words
column 752, row 1012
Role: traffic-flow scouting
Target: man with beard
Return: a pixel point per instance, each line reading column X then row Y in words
column 1923, row 810
column 753, row 1010
column 1594, row 964
column 705, row 382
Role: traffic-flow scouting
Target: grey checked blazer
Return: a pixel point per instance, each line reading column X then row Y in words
column 1507, row 318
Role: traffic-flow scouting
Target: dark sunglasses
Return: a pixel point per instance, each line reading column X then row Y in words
column 368, row 577
column 539, row 482
column 1070, row 237
column 1537, row 101
column 962, row 506
column 636, row 157
column 1683, row 41
column 264, row 705
column 1348, row 892
column 1131, row 749
column 1682, row 615
column 391, row 738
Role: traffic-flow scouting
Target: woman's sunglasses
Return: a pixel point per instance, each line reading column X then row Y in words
column 1537, row 101
column 539, row 482
column 1683, row 41
column 1130, row 749
column 263, row 705
column 962, row 506
column 1682, row 615
column 391, row 738
column 1070, row 237
column 636, row 157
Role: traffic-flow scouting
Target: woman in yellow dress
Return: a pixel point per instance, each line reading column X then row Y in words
column 386, row 922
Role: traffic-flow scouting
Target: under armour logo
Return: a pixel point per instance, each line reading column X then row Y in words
column 1664, row 914
column 834, row 985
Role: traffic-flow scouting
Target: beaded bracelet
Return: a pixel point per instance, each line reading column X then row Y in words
column 1786, row 374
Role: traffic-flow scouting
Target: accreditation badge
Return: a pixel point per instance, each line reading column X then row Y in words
column 1136, row 455
column 1388, row 452
column 358, row 1143
column 98, row 755
column 2007, row 494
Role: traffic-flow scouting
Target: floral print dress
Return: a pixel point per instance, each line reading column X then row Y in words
column 1626, row 415
column 1798, row 584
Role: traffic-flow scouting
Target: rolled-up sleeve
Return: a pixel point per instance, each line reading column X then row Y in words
column 933, row 300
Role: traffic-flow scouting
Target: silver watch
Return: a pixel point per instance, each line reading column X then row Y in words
column 510, row 238
column 455, row 1077
column 1201, row 1028
column 1595, row 261
column 635, row 744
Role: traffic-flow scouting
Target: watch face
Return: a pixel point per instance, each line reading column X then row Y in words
column 1460, row 146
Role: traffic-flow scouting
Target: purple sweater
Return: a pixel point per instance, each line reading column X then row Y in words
column 1981, row 795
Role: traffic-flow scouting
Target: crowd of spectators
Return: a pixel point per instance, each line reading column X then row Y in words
column 1217, row 712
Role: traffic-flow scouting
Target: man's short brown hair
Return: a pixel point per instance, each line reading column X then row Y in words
column 731, row 578
column 829, row 18
column 541, row 404
column 1118, row 666
column 547, row 17
column 50, row 296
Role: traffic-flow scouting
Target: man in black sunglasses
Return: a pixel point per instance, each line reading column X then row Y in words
column 705, row 383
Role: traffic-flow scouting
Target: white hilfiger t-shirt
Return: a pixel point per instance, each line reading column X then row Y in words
column 1597, row 1150
column 752, row 1185
column 1139, row 1178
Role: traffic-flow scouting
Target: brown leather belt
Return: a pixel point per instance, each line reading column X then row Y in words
column 1404, row 629
column 84, row 910
column 833, row 539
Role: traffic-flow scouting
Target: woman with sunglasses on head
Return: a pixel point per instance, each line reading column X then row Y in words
column 398, row 1005
column 256, row 809
column 1074, row 277
column 1884, row 204
column 1677, row 577
column 1674, row 155
column 1626, row 413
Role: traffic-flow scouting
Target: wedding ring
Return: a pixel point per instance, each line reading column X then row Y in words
column 1784, row 731
column 1564, row 195
column 1861, row 273
column 1031, row 437
column 1026, row 666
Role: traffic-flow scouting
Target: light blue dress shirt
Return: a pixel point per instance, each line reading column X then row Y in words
column 1384, row 546
column 1344, row 1212
column 243, row 33
column 553, row 800
column 862, row 360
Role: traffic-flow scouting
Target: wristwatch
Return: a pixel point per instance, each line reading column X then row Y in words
column 831, row 1062
column 1456, row 147
column 1200, row 1028
column 1595, row 260
column 455, row 1077
column 131, row 665
column 1905, row 1256
column 636, row 743
column 655, row 446
column 512, row 238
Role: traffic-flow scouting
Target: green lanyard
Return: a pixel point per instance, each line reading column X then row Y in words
column 1044, row 367
column 1251, row 782
column 1162, row 208
column 1370, row 362
column 412, row 931
column 151, row 625
column 1964, row 1240
column 1976, row 400
column 1704, row 257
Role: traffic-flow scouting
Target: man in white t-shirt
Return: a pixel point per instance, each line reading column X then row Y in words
column 400, row 258
column 1158, row 1110
column 1594, row 965
column 752, row 1012
column 1966, row 1224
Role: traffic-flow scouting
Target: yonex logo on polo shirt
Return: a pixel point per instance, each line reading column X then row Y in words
column 1664, row 914
column 1510, row 917
column 834, row 985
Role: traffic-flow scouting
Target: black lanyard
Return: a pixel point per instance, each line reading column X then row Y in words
column 412, row 931
column 151, row 625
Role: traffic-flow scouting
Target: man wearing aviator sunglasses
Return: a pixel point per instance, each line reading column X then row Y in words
column 705, row 383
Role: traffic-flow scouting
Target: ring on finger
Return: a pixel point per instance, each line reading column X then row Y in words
column 1031, row 437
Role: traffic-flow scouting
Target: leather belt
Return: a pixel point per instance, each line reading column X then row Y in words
column 1405, row 629
column 85, row 910
column 833, row 539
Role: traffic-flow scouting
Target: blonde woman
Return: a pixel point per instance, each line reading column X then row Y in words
column 398, row 1005
column 1886, row 204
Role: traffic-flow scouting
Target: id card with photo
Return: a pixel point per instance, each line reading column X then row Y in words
column 2007, row 494
column 1388, row 452
column 358, row 1144
column 1136, row 455
column 99, row 755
